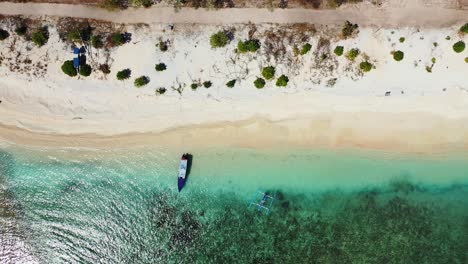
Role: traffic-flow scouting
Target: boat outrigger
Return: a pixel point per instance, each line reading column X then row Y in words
column 184, row 169
column 263, row 201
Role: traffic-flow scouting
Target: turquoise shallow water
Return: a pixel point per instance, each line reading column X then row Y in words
column 122, row 206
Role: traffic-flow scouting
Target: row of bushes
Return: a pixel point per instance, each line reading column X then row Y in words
column 70, row 70
column 38, row 37
column 206, row 84
column 282, row 81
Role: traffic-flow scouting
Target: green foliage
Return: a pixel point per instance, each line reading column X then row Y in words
column 433, row 60
column 250, row 45
column 402, row 39
column 21, row 30
column 366, row 66
column 4, row 34
column 112, row 4
column 282, row 81
column 231, row 83
column 117, row 39
column 141, row 81
column 160, row 90
column 305, row 48
column 448, row 38
column 123, row 74
column 435, row 44
column 398, row 55
column 268, row 72
column 466, row 59
column 464, row 29
column 40, row 37
column 160, row 67
column 338, row 50
column 74, row 35
column 68, row 68
column 139, row 3
column 348, row 29
column 459, row 46
column 296, row 50
column 85, row 70
column 163, row 46
column 352, row 54
column 219, row 39
column 194, row 86
column 259, row 83
column 96, row 42
column 207, row 84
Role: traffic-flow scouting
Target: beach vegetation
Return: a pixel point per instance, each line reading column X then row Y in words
column 348, row 29
column 74, row 35
column 398, row 55
column 366, row 66
column 96, row 41
column 250, row 45
column 433, row 60
column 466, row 59
column 448, row 38
column 85, row 70
column 207, row 84
column 219, row 39
column 4, row 34
column 338, row 50
column 40, row 36
column 305, row 48
column 464, row 29
column 124, row 74
column 141, row 81
column 162, row 45
column 104, row 68
column 435, row 44
column 268, row 72
column 68, row 68
column 459, row 46
column 352, row 54
column 231, row 83
column 113, row 4
column 139, row 3
column 21, row 30
column 402, row 39
column 429, row 69
column 160, row 90
column 117, row 39
column 296, row 50
column 160, row 67
column 194, row 86
column 259, row 83
column 282, row 81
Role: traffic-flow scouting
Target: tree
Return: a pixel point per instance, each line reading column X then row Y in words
column 259, row 83
column 268, row 72
column 282, row 81
column 250, row 45
column 123, row 74
column 141, row 81
column 160, row 67
column 365, row 66
column 4, row 34
column 464, row 29
column 194, row 86
column 21, row 30
column 68, row 68
column 96, row 42
column 85, row 70
column 40, row 37
column 162, row 46
column 459, row 46
column 207, row 84
column 339, row 50
column 117, row 39
column 74, row 35
column 219, row 39
column 352, row 54
column 398, row 55
column 305, row 48
column 348, row 29
column 231, row 83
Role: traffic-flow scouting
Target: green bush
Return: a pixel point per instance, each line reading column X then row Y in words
column 466, row 59
column 163, row 46
column 207, row 84
column 398, row 55
column 112, row 4
column 250, row 45
column 40, row 37
column 339, row 50
column 365, row 66
column 96, row 42
column 160, row 90
column 448, row 38
column 160, row 67
column 459, row 46
column 348, row 29
column 21, row 30
column 124, row 74
column 268, row 72
column 231, row 83
column 194, row 86
column 4, row 34
column 464, row 28
column 117, row 39
column 352, row 54
column 74, row 35
column 259, row 83
column 282, row 81
column 219, row 39
column 68, row 68
column 85, row 70
column 305, row 48
column 141, row 81
column 435, row 44
column 402, row 39
column 433, row 60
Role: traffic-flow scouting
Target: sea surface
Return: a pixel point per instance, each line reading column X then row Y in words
column 331, row 206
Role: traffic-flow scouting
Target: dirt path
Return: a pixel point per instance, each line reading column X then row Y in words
column 389, row 17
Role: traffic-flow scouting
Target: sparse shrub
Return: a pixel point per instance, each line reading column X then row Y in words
column 162, row 46
column 250, row 45
column 402, row 39
column 194, row 86
column 339, row 50
column 282, row 81
column 85, row 70
column 429, row 69
column 352, row 54
column 21, row 30
column 104, row 68
column 161, row 90
column 219, row 39
column 231, row 83
column 74, row 35
column 323, row 57
column 459, row 46
column 68, row 68
column 141, row 81
column 138, row 3
column 207, row 84
column 296, row 50
column 40, row 37
column 365, row 66
column 160, row 67
column 4, row 34
column 117, row 39
column 448, row 38
column 433, row 60
column 305, row 48
column 96, row 42
column 259, row 83
column 112, row 4
column 268, row 72
column 398, row 55
column 464, row 29
column 466, row 59
column 435, row 44
column 123, row 74
column 348, row 29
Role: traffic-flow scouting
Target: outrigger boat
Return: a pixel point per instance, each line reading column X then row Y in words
column 183, row 171
column 263, row 201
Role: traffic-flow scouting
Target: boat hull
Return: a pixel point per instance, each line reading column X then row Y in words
column 180, row 183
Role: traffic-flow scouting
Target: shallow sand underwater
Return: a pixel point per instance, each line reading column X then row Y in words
column 332, row 206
